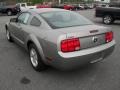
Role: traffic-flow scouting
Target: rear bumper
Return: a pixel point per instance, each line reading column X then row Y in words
column 67, row 61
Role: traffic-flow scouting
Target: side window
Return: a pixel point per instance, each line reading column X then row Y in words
column 35, row 22
column 23, row 18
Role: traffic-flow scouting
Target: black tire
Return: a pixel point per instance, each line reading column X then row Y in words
column 9, row 38
column 108, row 19
column 40, row 66
column 9, row 12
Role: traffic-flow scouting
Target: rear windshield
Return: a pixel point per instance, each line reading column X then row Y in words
column 63, row 19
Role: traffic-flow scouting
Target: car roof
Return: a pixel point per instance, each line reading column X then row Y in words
column 44, row 10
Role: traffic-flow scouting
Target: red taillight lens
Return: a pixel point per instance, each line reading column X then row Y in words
column 70, row 45
column 109, row 36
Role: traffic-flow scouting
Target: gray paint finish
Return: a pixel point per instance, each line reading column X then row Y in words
column 47, row 41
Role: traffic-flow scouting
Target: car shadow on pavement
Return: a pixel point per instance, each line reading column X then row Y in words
column 82, row 72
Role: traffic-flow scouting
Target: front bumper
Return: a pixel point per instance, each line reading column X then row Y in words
column 67, row 61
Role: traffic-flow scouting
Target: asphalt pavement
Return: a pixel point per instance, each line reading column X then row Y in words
column 16, row 72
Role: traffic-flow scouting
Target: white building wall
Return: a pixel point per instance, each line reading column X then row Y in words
column 104, row 1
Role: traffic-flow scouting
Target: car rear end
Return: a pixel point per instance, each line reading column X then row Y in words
column 74, row 40
column 76, row 47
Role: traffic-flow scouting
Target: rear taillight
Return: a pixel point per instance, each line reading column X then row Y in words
column 109, row 36
column 70, row 45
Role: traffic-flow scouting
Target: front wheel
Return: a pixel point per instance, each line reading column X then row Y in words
column 36, row 59
column 9, row 38
column 107, row 19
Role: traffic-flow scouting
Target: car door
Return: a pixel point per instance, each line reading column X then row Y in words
column 19, row 27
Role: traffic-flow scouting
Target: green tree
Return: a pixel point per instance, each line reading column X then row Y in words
column 36, row 1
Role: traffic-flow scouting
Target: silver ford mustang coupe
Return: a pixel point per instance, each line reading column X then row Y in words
column 59, row 38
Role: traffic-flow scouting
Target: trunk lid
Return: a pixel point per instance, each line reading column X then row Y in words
column 89, row 36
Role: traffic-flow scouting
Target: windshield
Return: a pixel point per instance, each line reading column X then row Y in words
column 63, row 19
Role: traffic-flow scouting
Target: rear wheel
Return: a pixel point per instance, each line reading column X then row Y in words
column 36, row 59
column 108, row 19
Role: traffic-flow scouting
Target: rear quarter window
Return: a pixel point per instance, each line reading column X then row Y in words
column 35, row 22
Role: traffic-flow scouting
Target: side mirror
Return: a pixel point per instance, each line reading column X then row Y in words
column 13, row 20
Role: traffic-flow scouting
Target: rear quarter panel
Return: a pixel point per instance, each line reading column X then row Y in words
column 50, row 43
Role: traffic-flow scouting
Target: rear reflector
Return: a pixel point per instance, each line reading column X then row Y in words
column 109, row 36
column 70, row 45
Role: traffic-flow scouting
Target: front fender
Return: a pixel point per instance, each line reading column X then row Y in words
column 6, row 25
